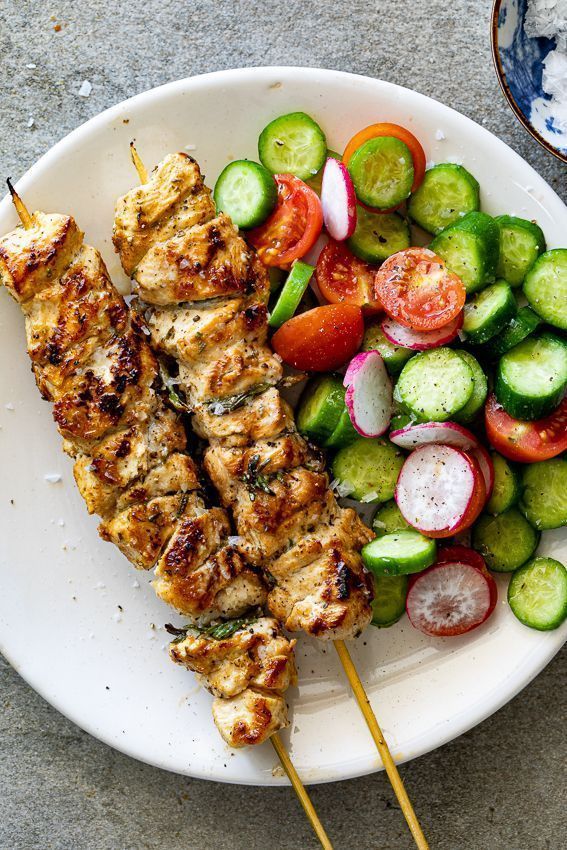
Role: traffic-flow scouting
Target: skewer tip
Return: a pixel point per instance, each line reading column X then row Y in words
column 21, row 209
column 138, row 164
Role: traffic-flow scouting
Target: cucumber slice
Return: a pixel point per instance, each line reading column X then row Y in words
column 400, row 553
column 389, row 601
column 344, row 434
column 377, row 237
column 489, row 312
column 393, row 356
column 524, row 323
column 448, row 192
column 293, row 144
column 246, row 192
column 531, row 378
column 435, row 384
column 506, row 490
column 400, row 420
column 470, row 249
column 521, row 243
column 371, row 467
column 382, row 172
column 545, row 287
column 291, row 294
column 480, row 389
column 388, row 519
column 320, row 407
column 544, row 500
column 316, row 182
column 505, row 541
column 537, row 594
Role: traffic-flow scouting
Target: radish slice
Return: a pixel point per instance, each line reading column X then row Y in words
column 369, row 394
column 449, row 599
column 436, row 488
column 447, row 433
column 421, row 340
column 338, row 200
column 486, row 467
column 466, row 555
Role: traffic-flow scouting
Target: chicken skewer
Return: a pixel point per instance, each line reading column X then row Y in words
column 204, row 295
column 90, row 358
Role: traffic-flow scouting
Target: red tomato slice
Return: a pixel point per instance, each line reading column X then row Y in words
column 526, row 442
column 387, row 129
column 344, row 279
column 322, row 339
column 293, row 227
column 416, row 288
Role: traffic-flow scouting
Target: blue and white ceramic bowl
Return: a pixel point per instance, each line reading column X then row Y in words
column 519, row 65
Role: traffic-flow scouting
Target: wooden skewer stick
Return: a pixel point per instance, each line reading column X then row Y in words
column 275, row 739
column 302, row 794
column 24, row 215
column 381, row 745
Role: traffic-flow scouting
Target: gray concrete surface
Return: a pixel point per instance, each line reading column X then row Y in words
column 499, row 787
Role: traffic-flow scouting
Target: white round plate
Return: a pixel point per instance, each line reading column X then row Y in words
column 82, row 627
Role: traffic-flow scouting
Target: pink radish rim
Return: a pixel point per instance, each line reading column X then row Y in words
column 358, row 363
column 338, row 200
column 423, row 340
column 467, row 440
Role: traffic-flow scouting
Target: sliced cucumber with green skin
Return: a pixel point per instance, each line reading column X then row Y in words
column 507, row 488
column 505, row 541
column 488, row 312
column 291, row 294
column 531, row 377
column 544, row 497
column 377, row 236
column 382, row 172
column 389, row 601
column 344, row 434
column 371, row 467
column 246, row 192
column 435, row 385
column 470, row 249
column 394, row 356
column 521, row 326
column 448, row 192
column 400, row 553
column 480, row 389
column 537, row 594
column 320, row 407
column 293, row 144
column 388, row 519
column 521, row 243
column 545, row 287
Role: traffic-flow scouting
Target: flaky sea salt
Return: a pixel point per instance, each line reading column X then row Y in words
column 9, row 406
column 548, row 18
column 86, row 89
column 30, row 122
column 31, row 66
column 440, row 135
column 52, row 477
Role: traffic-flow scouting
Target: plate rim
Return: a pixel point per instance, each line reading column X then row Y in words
column 540, row 656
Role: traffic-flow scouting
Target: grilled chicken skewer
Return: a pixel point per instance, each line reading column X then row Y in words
column 91, row 359
column 204, row 296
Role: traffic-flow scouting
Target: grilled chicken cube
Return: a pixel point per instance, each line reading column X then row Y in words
column 249, row 718
column 256, row 655
column 260, row 417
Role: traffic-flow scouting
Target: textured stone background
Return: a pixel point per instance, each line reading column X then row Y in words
column 499, row 787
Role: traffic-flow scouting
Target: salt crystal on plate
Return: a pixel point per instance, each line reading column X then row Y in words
column 52, row 477
column 440, row 135
column 136, row 583
column 190, row 147
column 9, row 406
column 86, row 89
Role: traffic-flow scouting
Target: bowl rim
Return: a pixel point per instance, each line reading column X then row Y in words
column 500, row 73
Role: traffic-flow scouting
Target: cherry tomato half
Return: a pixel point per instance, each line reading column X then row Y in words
column 387, row 129
column 322, row 339
column 526, row 442
column 293, row 227
column 344, row 279
column 416, row 288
